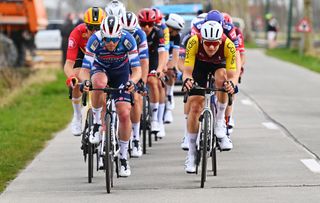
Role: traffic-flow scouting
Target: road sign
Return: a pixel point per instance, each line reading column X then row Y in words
column 304, row 25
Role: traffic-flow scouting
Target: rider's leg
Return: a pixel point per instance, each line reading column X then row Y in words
column 154, row 102
column 135, row 115
column 162, row 106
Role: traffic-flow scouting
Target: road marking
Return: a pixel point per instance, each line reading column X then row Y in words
column 312, row 165
column 247, row 102
column 270, row 125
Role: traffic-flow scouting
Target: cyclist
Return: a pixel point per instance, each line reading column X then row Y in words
column 162, row 91
column 209, row 51
column 115, row 8
column 175, row 24
column 130, row 24
column 76, row 49
column 157, row 61
column 110, row 54
column 241, row 48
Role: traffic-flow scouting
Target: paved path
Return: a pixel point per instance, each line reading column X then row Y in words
column 264, row 166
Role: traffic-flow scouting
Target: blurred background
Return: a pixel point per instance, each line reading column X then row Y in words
column 45, row 27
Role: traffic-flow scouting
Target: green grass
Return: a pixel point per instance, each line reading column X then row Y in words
column 309, row 62
column 28, row 122
column 250, row 45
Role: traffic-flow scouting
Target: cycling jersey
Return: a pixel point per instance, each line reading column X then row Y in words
column 115, row 64
column 174, row 44
column 76, row 44
column 226, row 53
column 141, row 39
column 166, row 35
column 241, row 47
column 156, row 44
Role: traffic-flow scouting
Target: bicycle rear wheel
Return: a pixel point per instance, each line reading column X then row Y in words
column 108, row 162
column 89, row 123
column 205, row 134
column 214, row 155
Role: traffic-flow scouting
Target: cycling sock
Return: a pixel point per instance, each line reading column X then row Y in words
column 154, row 107
column 123, row 149
column 136, row 130
column 97, row 115
column 186, row 126
column 221, row 109
column 170, row 90
column 76, row 103
column 192, row 143
column 161, row 112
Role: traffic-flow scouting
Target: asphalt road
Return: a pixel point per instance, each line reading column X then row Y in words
column 275, row 156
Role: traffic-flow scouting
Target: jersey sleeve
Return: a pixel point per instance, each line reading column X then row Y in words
column 143, row 45
column 131, row 45
column 176, row 42
column 191, row 51
column 73, row 45
column 241, row 47
column 166, row 35
column 230, row 54
column 162, row 41
column 91, row 47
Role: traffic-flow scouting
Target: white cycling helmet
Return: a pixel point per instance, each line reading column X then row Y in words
column 129, row 21
column 111, row 27
column 115, row 8
column 175, row 21
column 211, row 30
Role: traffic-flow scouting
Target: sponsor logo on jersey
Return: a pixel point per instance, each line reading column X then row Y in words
column 127, row 44
column 232, row 51
column 94, row 45
column 71, row 43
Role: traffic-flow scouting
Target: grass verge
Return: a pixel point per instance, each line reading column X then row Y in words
column 309, row 62
column 28, row 121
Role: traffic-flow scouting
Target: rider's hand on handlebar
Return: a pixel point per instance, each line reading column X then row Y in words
column 188, row 84
column 130, row 86
column 72, row 81
column 85, row 86
column 229, row 86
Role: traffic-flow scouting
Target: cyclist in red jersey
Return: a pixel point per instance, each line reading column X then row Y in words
column 76, row 50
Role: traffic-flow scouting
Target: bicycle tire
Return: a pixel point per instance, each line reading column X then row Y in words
column 214, row 155
column 90, row 146
column 108, row 153
column 205, row 134
column 144, row 125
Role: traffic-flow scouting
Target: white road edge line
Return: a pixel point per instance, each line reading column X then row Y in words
column 270, row 125
column 247, row 102
column 312, row 165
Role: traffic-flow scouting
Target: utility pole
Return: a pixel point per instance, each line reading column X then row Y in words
column 289, row 24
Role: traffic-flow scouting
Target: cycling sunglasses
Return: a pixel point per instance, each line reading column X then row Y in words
column 144, row 24
column 211, row 43
column 93, row 27
column 113, row 39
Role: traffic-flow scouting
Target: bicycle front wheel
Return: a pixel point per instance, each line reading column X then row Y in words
column 144, row 125
column 204, row 141
column 108, row 162
column 89, row 123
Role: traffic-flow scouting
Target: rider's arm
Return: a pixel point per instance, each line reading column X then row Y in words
column 231, row 60
column 134, row 60
column 190, row 58
column 162, row 53
column 144, row 56
column 72, row 52
column 88, row 59
column 175, row 53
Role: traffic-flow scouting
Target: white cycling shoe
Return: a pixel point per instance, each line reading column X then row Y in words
column 225, row 143
column 168, row 118
column 190, row 164
column 76, row 125
column 136, row 150
column 155, row 126
column 124, row 168
column 220, row 129
column 161, row 132
column 94, row 137
column 185, row 144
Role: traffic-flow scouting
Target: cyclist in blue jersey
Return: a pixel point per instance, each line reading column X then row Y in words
column 111, row 54
column 130, row 23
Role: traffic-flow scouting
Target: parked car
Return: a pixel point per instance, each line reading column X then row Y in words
column 50, row 38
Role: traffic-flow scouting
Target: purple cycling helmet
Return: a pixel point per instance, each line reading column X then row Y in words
column 214, row 15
